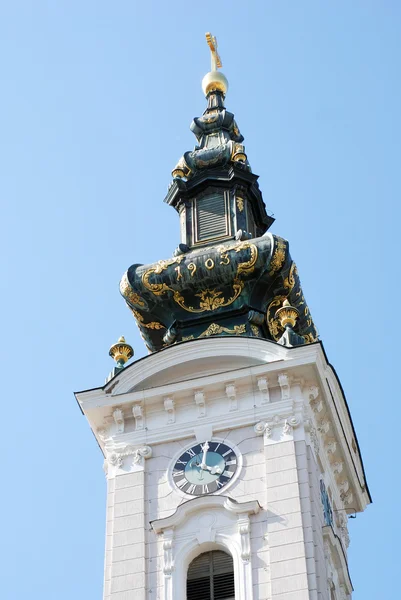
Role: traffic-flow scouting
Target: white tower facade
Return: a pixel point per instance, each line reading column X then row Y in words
column 231, row 461
column 281, row 516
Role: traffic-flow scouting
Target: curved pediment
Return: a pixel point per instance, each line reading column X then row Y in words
column 196, row 358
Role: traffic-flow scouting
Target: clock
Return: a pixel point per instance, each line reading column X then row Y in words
column 205, row 468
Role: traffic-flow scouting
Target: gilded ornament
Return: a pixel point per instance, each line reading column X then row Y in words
column 255, row 330
column 128, row 293
column 238, row 153
column 215, row 329
column 240, row 203
column 121, row 352
column 309, row 338
column 278, row 257
column 210, row 299
column 159, row 288
column 273, row 324
column 140, row 319
column 187, row 338
column 287, row 314
column 289, row 282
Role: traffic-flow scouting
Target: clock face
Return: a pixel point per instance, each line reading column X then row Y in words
column 205, row 468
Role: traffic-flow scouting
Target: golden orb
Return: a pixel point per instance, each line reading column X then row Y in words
column 214, row 81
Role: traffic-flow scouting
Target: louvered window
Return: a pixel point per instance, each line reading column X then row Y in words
column 211, row 218
column 211, row 577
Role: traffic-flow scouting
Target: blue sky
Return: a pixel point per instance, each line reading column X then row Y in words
column 96, row 102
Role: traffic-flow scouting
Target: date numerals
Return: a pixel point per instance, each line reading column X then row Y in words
column 209, row 264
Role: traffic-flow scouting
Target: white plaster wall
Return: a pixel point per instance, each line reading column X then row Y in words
column 279, row 471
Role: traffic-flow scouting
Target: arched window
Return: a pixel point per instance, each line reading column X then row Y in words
column 211, row 577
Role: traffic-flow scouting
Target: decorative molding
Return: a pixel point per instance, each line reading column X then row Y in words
column 263, row 428
column 313, row 392
column 314, row 440
column 115, row 458
column 200, row 401
column 168, row 563
column 182, row 512
column 118, row 417
column 294, row 421
column 287, row 429
column 137, row 411
column 335, row 555
column 337, row 467
column 263, row 385
column 169, row 407
column 103, row 433
column 342, row 524
column 316, row 405
column 231, row 392
column 244, row 529
column 284, row 383
column 331, row 446
column 323, row 426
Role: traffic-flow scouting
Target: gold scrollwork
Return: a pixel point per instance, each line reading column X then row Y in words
column 278, row 257
column 273, row 323
column 209, row 264
column 159, row 288
column 128, row 293
column 240, row 203
column 210, row 299
column 215, row 329
column 255, row 330
column 289, row 282
column 140, row 320
column 310, row 338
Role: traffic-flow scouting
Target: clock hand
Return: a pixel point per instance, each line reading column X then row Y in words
column 205, row 448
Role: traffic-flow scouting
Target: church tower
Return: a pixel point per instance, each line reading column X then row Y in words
column 231, row 460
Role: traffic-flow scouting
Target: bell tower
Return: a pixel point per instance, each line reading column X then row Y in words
column 231, row 460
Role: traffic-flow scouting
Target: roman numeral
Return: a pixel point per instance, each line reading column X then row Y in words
column 190, row 489
column 220, row 484
column 191, row 453
column 228, row 452
column 227, row 474
column 181, row 483
column 181, row 462
column 205, row 489
column 231, row 462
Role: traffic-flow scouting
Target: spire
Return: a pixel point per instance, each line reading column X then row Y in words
column 217, row 133
column 227, row 276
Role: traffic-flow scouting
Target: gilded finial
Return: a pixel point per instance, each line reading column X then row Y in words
column 215, row 80
column 215, row 57
column 287, row 314
column 121, row 352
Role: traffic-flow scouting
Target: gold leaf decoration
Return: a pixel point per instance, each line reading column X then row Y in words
column 255, row 330
column 140, row 320
column 128, row 293
column 278, row 257
column 215, row 329
column 240, row 203
column 210, row 299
